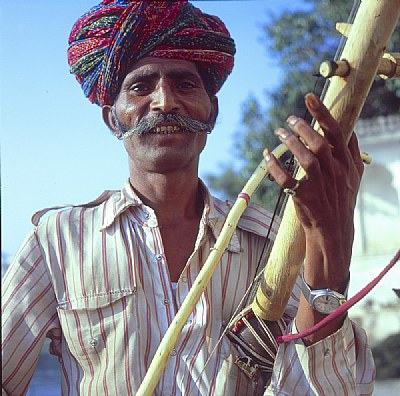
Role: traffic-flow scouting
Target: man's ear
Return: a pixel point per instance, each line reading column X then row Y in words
column 214, row 110
column 110, row 121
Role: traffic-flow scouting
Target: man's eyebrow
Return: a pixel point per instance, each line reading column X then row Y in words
column 173, row 74
column 182, row 74
column 142, row 75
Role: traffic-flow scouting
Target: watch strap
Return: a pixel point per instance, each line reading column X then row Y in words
column 308, row 288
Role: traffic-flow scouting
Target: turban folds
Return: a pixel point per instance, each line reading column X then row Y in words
column 106, row 40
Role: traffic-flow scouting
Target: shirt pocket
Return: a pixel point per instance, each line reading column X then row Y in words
column 95, row 328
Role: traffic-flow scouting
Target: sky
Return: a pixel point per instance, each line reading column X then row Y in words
column 55, row 148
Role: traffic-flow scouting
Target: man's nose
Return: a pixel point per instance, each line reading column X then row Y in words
column 164, row 100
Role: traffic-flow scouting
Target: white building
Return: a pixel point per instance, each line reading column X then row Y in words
column 377, row 223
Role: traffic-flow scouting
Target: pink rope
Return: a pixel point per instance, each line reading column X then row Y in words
column 343, row 308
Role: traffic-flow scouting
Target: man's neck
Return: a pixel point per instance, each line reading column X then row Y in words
column 173, row 197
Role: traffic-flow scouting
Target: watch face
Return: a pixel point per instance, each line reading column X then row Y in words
column 326, row 303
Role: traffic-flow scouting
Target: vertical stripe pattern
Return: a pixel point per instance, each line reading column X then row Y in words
column 93, row 278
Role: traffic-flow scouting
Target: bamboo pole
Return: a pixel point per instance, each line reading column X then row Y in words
column 345, row 97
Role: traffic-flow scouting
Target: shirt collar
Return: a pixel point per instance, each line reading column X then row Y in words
column 214, row 216
column 214, row 213
column 118, row 203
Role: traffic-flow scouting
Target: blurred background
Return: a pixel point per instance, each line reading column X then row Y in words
column 55, row 148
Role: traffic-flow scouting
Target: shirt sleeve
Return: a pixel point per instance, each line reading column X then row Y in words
column 341, row 364
column 28, row 315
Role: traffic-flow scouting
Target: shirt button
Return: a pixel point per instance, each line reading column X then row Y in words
column 166, row 301
column 152, row 222
column 327, row 352
column 184, row 279
column 159, row 257
column 173, row 352
column 147, row 215
column 93, row 342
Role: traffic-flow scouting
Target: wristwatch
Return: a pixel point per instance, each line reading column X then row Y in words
column 324, row 301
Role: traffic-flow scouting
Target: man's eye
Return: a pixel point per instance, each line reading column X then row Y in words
column 140, row 88
column 186, row 85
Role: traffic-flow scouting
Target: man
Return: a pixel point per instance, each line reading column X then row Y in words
column 104, row 280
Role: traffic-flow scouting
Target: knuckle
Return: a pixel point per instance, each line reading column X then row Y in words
column 310, row 162
column 292, row 139
column 321, row 147
column 282, row 180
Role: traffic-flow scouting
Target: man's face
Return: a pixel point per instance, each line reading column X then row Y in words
column 156, row 87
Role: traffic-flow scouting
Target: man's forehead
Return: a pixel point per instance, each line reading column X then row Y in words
column 163, row 64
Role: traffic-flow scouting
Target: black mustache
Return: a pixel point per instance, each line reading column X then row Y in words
column 150, row 122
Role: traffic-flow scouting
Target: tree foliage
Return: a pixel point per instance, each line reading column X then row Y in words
column 299, row 41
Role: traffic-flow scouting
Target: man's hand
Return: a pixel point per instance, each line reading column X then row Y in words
column 325, row 200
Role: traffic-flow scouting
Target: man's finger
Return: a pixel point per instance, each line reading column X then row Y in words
column 355, row 153
column 328, row 124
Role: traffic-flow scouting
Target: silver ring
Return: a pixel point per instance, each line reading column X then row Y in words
column 292, row 191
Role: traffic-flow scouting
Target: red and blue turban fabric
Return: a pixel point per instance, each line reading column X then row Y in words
column 113, row 35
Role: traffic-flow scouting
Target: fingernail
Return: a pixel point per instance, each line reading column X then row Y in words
column 267, row 155
column 292, row 120
column 312, row 101
column 282, row 133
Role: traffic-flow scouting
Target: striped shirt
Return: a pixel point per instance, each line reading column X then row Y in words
column 94, row 279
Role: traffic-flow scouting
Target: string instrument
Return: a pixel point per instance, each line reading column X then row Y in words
column 350, row 81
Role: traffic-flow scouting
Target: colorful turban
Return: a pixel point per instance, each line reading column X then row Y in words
column 106, row 40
